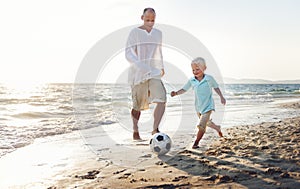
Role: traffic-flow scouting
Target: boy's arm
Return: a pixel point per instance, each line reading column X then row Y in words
column 185, row 88
column 181, row 91
column 218, row 91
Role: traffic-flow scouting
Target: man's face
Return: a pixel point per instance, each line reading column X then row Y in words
column 149, row 18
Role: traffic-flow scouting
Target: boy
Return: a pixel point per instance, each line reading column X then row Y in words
column 143, row 52
column 204, row 103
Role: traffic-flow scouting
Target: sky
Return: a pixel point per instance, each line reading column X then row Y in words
column 46, row 41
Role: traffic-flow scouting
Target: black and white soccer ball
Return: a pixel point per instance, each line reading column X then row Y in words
column 160, row 143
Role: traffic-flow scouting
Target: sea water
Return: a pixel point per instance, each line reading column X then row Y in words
column 37, row 111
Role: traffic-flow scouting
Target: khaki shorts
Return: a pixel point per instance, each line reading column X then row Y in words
column 151, row 91
column 204, row 120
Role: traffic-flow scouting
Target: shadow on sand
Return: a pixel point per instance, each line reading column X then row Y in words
column 253, row 169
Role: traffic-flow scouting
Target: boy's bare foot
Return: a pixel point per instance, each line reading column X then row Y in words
column 195, row 145
column 155, row 131
column 219, row 131
column 220, row 134
column 136, row 136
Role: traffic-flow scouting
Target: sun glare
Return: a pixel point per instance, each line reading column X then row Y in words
column 23, row 90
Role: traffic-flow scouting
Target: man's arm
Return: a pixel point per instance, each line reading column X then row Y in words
column 131, row 53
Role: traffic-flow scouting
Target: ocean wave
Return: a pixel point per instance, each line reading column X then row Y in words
column 56, row 109
column 66, row 107
column 296, row 91
column 39, row 115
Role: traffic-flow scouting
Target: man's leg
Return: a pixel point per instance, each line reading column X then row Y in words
column 158, row 96
column 139, row 102
column 158, row 114
column 135, row 115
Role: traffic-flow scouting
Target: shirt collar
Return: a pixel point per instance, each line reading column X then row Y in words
column 196, row 80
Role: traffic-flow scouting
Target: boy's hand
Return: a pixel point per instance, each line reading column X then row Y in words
column 223, row 100
column 173, row 93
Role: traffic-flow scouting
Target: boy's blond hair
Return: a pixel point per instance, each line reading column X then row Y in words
column 199, row 61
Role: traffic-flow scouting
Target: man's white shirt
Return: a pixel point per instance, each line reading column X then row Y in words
column 144, row 52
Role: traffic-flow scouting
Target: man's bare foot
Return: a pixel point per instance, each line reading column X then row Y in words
column 136, row 136
column 155, row 131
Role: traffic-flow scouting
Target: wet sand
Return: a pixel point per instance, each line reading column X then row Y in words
column 265, row 155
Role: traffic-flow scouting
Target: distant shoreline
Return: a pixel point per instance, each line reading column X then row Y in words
column 258, row 81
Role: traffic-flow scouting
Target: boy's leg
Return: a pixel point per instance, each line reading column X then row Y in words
column 199, row 137
column 202, row 127
column 215, row 127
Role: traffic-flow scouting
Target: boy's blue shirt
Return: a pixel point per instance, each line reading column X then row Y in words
column 203, row 92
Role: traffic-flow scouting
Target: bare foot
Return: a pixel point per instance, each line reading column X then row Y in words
column 155, row 131
column 195, row 145
column 136, row 136
column 219, row 131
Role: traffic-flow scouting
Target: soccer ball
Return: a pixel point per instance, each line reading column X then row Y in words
column 160, row 143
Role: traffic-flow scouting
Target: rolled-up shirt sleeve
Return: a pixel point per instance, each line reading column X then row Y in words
column 131, row 53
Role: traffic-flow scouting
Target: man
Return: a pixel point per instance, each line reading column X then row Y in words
column 143, row 52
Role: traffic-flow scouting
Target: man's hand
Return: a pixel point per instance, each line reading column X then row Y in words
column 162, row 73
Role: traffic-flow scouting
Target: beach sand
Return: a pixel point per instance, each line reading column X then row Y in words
column 265, row 155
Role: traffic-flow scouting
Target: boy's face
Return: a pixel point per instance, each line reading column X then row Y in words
column 198, row 70
column 149, row 18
